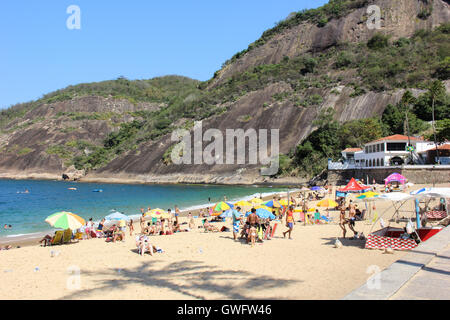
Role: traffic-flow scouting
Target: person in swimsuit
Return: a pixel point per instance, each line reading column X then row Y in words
column 252, row 222
column 343, row 221
column 142, row 221
column 289, row 221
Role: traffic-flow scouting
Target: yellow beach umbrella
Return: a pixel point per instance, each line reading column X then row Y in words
column 327, row 203
column 157, row 213
column 256, row 201
column 264, row 207
column 242, row 203
column 284, row 202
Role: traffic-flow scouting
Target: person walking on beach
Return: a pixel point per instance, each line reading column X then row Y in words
column 343, row 221
column 236, row 222
column 289, row 222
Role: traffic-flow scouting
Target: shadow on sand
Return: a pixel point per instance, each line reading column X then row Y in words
column 200, row 281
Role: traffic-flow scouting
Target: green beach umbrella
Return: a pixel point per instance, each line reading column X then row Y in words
column 65, row 220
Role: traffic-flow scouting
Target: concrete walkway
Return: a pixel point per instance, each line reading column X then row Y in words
column 424, row 273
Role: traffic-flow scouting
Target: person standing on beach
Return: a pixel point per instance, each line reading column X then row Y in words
column 142, row 221
column 123, row 228
column 289, row 221
column 236, row 222
column 177, row 214
column 130, row 225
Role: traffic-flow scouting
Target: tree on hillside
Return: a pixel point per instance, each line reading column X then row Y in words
column 436, row 88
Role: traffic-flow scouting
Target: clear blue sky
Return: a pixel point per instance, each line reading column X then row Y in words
column 139, row 39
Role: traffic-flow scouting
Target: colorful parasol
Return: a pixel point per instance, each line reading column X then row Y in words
column 65, row 220
column 327, row 203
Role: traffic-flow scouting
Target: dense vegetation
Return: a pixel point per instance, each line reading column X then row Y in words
column 331, row 137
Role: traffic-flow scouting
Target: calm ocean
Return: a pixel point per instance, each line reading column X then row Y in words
column 26, row 212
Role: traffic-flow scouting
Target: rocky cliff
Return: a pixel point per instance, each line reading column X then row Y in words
column 44, row 141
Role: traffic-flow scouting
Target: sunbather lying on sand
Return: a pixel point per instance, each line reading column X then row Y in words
column 6, row 247
column 209, row 227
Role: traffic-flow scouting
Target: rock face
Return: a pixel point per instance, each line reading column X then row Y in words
column 25, row 147
column 398, row 19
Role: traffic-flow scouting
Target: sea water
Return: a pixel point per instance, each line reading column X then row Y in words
column 26, row 211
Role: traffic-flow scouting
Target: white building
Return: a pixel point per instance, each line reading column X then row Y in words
column 384, row 152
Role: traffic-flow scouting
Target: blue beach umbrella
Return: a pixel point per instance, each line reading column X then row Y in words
column 117, row 216
column 273, row 204
column 263, row 214
column 229, row 213
column 315, row 188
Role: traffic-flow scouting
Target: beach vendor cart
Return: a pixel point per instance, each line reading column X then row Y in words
column 411, row 235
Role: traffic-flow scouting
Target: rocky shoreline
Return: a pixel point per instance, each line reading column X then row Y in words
column 161, row 179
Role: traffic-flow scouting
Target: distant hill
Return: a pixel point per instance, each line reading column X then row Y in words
column 314, row 61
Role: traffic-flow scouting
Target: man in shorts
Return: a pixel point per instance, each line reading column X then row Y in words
column 236, row 221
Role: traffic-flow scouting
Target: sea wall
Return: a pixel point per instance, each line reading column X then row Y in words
column 416, row 174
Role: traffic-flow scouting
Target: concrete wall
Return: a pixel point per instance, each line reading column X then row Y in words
column 417, row 175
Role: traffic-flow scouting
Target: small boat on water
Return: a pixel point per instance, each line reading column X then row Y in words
column 97, row 190
column 72, row 188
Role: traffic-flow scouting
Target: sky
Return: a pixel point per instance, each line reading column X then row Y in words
column 138, row 39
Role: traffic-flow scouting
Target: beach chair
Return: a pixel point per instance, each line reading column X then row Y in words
column 57, row 239
column 326, row 219
column 67, row 237
column 78, row 236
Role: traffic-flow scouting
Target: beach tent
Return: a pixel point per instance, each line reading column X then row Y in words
column 354, row 186
column 397, row 177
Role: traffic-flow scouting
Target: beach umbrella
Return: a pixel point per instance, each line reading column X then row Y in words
column 222, row 206
column 284, row 202
column 368, row 195
column 65, row 220
column 117, row 216
column 327, row 203
column 229, row 213
column 273, row 204
column 263, row 207
column 262, row 213
column 158, row 213
column 256, row 201
column 315, row 188
column 242, row 203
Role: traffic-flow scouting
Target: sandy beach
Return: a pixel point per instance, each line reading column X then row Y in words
column 199, row 265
